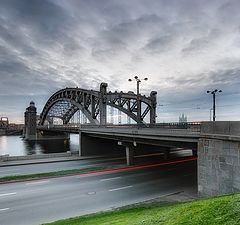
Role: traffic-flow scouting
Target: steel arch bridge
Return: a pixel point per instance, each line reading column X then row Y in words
column 93, row 104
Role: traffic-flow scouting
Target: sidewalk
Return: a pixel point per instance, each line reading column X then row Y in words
column 47, row 158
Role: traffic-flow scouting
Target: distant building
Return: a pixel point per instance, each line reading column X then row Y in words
column 183, row 118
column 7, row 128
column 4, row 122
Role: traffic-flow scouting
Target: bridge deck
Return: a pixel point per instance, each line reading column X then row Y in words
column 175, row 136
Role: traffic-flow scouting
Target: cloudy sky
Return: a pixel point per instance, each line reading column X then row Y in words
column 184, row 47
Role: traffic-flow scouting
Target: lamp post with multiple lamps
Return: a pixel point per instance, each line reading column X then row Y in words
column 138, row 80
column 213, row 92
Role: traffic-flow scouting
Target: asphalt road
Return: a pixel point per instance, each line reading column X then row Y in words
column 78, row 164
column 56, row 166
column 48, row 200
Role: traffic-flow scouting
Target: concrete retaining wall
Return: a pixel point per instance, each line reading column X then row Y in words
column 219, row 158
column 221, row 127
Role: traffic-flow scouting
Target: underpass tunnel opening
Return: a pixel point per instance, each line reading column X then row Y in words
column 91, row 145
column 156, row 153
column 140, row 153
column 171, row 161
column 147, row 157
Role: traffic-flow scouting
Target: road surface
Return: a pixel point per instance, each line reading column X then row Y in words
column 78, row 164
column 36, row 202
column 57, row 166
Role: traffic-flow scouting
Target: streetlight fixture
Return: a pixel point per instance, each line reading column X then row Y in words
column 138, row 80
column 213, row 93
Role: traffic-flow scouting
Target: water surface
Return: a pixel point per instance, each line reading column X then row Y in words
column 16, row 146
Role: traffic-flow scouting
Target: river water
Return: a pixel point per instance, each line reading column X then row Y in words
column 16, row 146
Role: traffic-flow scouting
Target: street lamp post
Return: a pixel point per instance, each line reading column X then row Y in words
column 138, row 95
column 214, row 101
column 211, row 114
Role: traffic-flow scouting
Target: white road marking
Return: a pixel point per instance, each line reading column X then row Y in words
column 7, row 194
column 112, row 178
column 121, row 188
column 4, row 209
column 38, row 182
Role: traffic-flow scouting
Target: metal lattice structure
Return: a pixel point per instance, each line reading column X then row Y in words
column 93, row 104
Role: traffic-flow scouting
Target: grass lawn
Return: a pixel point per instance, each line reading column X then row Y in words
column 215, row 211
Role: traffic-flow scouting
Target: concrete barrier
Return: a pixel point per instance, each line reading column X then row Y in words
column 5, row 158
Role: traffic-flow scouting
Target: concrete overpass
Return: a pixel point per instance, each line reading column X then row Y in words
column 217, row 145
column 103, row 139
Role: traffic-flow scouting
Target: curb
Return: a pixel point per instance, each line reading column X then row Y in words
column 32, row 161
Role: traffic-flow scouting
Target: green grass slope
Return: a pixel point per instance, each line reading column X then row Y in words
column 220, row 210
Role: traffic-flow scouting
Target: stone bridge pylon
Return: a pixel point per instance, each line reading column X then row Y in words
column 93, row 104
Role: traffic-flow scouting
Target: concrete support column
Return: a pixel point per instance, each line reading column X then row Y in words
column 129, row 147
column 166, row 154
column 194, row 152
column 129, row 155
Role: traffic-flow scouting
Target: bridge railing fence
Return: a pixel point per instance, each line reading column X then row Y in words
column 192, row 126
column 170, row 127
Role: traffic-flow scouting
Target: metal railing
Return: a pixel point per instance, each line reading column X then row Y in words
column 170, row 127
column 192, row 125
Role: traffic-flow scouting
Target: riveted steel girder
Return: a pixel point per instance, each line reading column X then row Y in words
column 66, row 102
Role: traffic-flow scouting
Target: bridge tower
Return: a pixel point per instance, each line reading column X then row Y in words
column 30, row 116
column 103, row 104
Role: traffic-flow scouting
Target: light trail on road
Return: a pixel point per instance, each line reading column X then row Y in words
column 139, row 167
column 65, row 197
column 5, row 209
column 7, row 194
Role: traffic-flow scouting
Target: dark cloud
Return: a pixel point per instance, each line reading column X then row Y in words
column 229, row 78
column 42, row 17
column 182, row 45
column 228, row 12
column 196, row 45
column 160, row 44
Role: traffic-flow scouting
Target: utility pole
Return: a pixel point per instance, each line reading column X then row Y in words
column 213, row 93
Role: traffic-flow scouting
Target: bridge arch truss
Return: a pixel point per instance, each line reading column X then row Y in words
column 93, row 104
